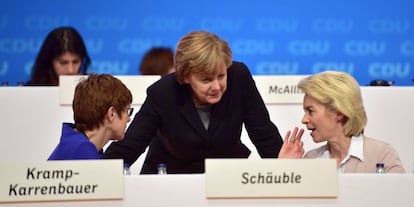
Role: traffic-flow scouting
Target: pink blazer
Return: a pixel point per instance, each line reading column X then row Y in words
column 375, row 151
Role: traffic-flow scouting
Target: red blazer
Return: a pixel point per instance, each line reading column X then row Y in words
column 169, row 124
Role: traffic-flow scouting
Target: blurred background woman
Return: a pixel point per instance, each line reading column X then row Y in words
column 63, row 52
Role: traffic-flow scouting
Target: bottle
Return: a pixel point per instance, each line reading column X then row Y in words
column 162, row 169
column 127, row 170
column 380, row 168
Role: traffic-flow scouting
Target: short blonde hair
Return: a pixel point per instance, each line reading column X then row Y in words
column 200, row 52
column 339, row 91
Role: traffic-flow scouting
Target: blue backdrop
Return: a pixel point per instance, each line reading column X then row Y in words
column 369, row 39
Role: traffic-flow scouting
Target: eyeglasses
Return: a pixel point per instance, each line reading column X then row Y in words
column 130, row 110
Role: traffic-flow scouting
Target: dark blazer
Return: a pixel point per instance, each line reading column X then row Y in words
column 169, row 124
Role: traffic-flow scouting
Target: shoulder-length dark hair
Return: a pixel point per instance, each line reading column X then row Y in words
column 56, row 43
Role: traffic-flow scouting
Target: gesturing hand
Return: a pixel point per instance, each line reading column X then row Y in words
column 292, row 145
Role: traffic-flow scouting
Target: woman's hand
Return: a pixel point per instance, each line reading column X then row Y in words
column 292, row 145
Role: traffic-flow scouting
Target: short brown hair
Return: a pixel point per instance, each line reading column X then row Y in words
column 200, row 52
column 94, row 96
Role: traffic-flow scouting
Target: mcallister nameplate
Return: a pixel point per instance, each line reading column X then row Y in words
column 271, row 178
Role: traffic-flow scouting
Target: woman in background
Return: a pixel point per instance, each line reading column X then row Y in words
column 63, row 52
column 157, row 61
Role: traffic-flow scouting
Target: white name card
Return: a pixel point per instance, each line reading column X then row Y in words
column 271, row 178
column 61, row 180
column 280, row 89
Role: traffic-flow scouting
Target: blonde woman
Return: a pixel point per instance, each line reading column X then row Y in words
column 334, row 113
column 199, row 112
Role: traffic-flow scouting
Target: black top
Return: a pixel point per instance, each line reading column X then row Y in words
column 169, row 123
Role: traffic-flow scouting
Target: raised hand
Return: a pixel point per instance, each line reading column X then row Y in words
column 292, row 145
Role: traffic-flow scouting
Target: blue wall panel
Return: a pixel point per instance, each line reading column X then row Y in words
column 369, row 39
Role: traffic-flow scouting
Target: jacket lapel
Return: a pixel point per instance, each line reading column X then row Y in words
column 187, row 110
column 219, row 112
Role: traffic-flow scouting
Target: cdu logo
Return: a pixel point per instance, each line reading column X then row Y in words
column 338, row 66
column 389, row 70
column 332, row 25
column 136, row 45
column 272, row 25
column 364, row 48
column 19, row 45
column 269, row 67
column 308, row 47
column 111, row 67
column 388, row 26
column 42, row 23
column 253, row 46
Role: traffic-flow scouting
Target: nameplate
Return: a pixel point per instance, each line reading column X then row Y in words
column 281, row 89
column 61, row 180
column 271, row 178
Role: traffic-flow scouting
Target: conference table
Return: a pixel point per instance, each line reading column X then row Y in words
column 379, row 190
column 33, row 117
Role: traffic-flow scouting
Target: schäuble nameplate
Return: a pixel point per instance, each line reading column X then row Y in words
column 267, row 178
